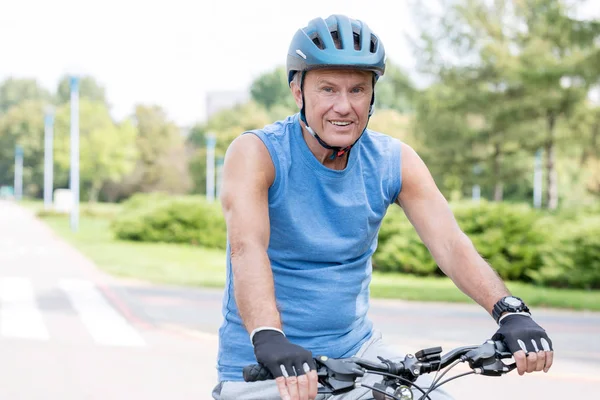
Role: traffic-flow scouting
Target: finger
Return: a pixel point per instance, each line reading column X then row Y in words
column 531, row 361
column 283, row 391
column 292, row 387
column 541, row 360
column 303, row 386
column 521, row 361
column 549, row 360
column 313, row 382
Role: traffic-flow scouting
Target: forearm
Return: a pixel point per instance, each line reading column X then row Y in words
column 254, row 288
column 472, row 274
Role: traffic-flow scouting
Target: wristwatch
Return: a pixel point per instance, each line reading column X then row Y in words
column 508, row 304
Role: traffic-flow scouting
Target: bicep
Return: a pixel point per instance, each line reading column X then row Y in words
column 248, row 173
column 426, row 208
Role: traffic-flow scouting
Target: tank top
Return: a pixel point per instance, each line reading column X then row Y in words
column 324, row 225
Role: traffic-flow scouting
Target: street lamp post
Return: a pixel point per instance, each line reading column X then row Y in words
column 211, row 142
column 18, row 172
column 537, row 180
column 74, row 175
column 48, row 158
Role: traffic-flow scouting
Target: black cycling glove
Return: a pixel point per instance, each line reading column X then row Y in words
column 273, row 350
column 521, row 332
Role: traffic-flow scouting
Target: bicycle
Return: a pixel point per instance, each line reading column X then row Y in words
column 337, row 376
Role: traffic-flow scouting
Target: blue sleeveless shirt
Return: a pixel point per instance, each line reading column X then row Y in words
column 324, row 225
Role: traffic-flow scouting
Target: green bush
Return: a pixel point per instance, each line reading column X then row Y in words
column 400, row 249
column 159, row 218
column 507, row 236
column 574, row 258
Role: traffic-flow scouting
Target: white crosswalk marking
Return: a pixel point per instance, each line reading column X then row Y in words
column 19, row 316
column 106, row 326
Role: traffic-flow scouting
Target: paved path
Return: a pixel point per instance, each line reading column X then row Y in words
column 64, row 333
column 69, row 331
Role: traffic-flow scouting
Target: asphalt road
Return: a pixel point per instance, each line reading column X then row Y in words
column 68, row 331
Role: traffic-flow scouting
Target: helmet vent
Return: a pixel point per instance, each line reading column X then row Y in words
column 336, row 40
column 317, row 41
column 373, row 43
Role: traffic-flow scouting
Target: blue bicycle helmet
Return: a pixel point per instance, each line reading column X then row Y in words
column 315, row 47
column 335, row 42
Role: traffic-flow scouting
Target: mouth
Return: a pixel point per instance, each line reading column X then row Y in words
column 340, row 123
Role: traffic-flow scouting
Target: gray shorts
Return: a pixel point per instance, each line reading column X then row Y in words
column 267, row 390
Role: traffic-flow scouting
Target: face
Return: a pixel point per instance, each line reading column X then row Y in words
column 337, row 103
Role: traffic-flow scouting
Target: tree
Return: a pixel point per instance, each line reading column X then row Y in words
column 271, row 89
column 512, row 63
column 15, row 91
column 395, row 90
column 163, row 162
column 23, row 125
column 107, row 150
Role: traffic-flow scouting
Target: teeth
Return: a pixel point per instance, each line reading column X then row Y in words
column 340, row 123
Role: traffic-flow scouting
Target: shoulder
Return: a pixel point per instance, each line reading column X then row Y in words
column 377, row 142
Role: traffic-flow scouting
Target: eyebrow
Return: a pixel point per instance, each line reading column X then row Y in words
column 330, row 83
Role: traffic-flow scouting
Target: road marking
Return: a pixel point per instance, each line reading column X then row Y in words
column 106, row 326
column 20, row 316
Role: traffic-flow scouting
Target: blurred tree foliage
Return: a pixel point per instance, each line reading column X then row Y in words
column 499, row 80
column 15, row 91
column 506, row 75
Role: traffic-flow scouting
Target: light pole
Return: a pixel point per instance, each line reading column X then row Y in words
column 18, row 172
column 211, row 142
column 476, row 190
column 219, row 175
column 74, row 176
column 537, row 179
column 48, row 157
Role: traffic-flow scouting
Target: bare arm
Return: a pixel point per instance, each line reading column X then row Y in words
column 428, row 211
column 248, row 173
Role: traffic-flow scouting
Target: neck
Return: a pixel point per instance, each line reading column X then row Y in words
column 321, row 153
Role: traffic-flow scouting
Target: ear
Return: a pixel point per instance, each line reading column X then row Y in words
column 297, row 93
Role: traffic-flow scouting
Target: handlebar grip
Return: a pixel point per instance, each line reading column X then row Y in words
column 256, row 372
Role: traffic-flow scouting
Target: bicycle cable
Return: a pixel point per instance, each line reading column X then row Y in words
column 404, row 380
column 381, row 391
column 454, row 377
column 435, row 379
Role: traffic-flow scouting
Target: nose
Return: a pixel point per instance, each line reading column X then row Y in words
column 342, row 104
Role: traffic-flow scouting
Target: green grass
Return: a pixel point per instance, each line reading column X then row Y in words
column 154, row 262
column 194, row 266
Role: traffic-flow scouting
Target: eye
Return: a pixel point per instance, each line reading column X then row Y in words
column 358, row 89
column 327, row 89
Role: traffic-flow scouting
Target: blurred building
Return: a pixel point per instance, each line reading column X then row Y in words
column 216, row 101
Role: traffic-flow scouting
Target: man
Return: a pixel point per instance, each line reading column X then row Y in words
column 304, row 199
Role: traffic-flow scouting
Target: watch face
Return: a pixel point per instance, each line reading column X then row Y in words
column 513, row 301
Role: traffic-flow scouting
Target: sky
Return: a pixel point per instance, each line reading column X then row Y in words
column 170, row 53
column 173, row 52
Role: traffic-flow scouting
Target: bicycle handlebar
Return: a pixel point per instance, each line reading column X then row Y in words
column 339, row 375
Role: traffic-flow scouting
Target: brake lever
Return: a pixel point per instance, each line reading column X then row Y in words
column 337, row 376
column 485, row 359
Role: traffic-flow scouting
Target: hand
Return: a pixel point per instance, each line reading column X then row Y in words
column 531, row 347
column 292, row 366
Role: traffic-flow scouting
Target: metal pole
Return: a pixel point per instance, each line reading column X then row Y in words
column 18, row 172
column 476, row 193
column 210, row 167
column 74, row 176
column 219, row 175
column 48, row 159
column 476, row 189
column 537, row 179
